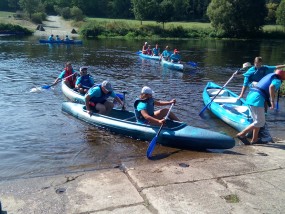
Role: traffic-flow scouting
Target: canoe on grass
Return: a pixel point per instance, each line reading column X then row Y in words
column 174, row 134
column 235, row 112
column 172, row 65
column 79, row 42
column 146, row 56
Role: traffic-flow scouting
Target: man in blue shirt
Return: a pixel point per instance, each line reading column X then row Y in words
column 98, row 96
column 84, row 82
column 166, row 53
column 256, row 73
column 263, row 91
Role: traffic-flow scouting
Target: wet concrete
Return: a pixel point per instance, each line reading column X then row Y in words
column 245, row 179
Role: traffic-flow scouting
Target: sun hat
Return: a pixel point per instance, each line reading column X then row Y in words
column 107, row 85
column 280, row 73
column 176, row 51
column 147, row 90
column 246, row 65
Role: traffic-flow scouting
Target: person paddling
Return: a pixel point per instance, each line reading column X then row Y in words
column 175, row 57
column 85, row 81
column 144, row 108
column 69, row 76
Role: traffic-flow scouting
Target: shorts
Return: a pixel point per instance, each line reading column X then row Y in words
column 258, row 116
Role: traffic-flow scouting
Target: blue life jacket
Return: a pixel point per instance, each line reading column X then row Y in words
column 150, row 109
column 263, row 85
column 86, row 82
column 103, row 96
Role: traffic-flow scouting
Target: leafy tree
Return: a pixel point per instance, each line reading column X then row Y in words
column 280, row 14
column 120, row 9
column 271, row 15
column 237, row 18
column 180, row 9
column 165, row 12
column 29, row 6
column 76, row 13
column 143, row 9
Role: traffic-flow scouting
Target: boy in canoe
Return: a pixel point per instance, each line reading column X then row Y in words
column 97, row 96
column 68, row 75
column 156, row 51
column 175, row 57
column 84, row 82
column 144, row 108
column 166, row 53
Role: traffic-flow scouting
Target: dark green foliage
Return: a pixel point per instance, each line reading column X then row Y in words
column 237, row 18
column 15, row 29
column 280, row 14
column 38, row 18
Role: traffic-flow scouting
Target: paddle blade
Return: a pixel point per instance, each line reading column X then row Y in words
column 46, row 86
column 151, row 147
column 138, row 52
column 194, row 64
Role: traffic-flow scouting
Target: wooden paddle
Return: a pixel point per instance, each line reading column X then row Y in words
column 153, row 142
column 201, row 112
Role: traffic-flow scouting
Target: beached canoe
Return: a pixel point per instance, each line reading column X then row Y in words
column 79, row 42
column 235, row 112
column 172, row 65
column 174, row 134
column 146, row 56
column 227, row 107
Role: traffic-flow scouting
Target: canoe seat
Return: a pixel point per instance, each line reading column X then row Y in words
column 229, row 100
column 236, row 109
column 213, row 91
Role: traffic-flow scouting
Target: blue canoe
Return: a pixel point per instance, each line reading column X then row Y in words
column 172, row 65
column 227, row 107
column 174, row 134
column 146, row 56
column 79, row 42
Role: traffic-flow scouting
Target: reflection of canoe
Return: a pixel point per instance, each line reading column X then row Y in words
column 227, row 107
column 172, row 65
column 61, row 42
column 174, row 134
column 145, row 56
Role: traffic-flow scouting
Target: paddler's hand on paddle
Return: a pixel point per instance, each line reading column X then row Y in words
column 89, row 112
column 162, row 121
column 172, row 101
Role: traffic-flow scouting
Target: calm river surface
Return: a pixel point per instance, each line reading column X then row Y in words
column 38, row 139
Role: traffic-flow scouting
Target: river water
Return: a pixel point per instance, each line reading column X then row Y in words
column 38, row 139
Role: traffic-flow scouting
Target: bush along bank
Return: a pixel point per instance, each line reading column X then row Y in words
column 121, row 29
column 14, row 29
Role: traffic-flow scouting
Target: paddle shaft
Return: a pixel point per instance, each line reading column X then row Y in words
column 219, row 92
column 277, row 101
column 153, row 142
column 165, row 118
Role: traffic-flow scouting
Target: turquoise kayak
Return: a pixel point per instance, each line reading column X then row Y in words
column 71, row 94
column 146, row 56
column 174, row 134
column 227, row 107
column 79, row 42
column 172, row 65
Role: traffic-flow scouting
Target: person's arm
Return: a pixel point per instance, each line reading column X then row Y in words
column 119, row 100
column 164, row 103
column 152, row 119
column 87, row 99
column 280, row 66
column 272, row 95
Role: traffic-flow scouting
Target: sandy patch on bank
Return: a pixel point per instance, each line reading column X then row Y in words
column 56, row 25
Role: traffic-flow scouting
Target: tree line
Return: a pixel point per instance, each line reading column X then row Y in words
column 231, row 18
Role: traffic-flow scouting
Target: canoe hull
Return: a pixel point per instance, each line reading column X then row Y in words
column 171, row 65
column 227, row 107
column 145, row 56
column 174, row 134
column 79, row 42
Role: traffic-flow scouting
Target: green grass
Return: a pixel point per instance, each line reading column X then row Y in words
column 270, row 28
column 167, row 25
